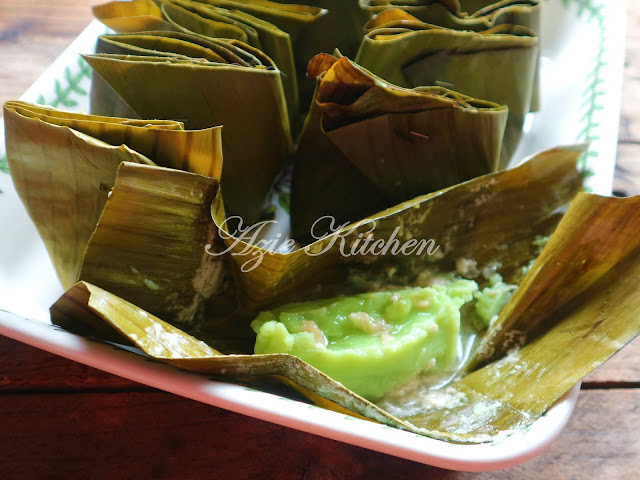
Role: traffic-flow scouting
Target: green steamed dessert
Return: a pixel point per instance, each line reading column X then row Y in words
column 375, row 342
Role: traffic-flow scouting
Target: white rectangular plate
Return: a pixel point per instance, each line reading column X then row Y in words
column 581, row 68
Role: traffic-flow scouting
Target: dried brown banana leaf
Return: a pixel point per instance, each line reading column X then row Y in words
column 106, row 102
column 196, row 17
column 570, row 339
column 433, row 131
column 91, row 311
column 473, row 15
column 525, row 198
column 151, row 260
column 405, row 142
column 321, row 27
column 497, row 65
column 289, row 31
column 166, row 142
column 341, row 28
column 290, row 18
column 205, row 24
column 163, row 82
column 325, row 184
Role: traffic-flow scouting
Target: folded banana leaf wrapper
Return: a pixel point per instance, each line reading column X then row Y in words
column 367, row 144
column 288, row 32
column 574, row 308
column 474, row 15
column 207, row 83
column 64, row 165
column 497, row 64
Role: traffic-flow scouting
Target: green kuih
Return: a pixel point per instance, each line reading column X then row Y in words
column 376, row 342
column 497, row 64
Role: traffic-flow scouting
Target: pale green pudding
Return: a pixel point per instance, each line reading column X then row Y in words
column 375, row 342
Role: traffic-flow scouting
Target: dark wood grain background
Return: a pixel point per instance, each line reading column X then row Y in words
column 63, row 420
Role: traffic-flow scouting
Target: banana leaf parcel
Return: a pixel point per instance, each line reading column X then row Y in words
column 474, row 15
column 200, row 276
column 64, row 165
column 367, row 144
column 289, row 33
column 497, row 64
column 174, row 75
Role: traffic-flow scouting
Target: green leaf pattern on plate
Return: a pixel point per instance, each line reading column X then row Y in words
column 68, row 87
column 593, row 92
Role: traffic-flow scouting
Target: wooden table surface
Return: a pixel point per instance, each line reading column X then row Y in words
column 60, row 419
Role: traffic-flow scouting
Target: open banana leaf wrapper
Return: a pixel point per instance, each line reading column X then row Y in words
column 124, row 254
column 367, row 144
column 576, row 324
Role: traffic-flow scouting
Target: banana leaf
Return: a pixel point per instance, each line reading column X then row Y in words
column 503, row 397
column 460, row 219
column 104, row 101
column 405, row 142
column 63, row 180
column 157, row 77
column 576, row 257
column 290, row 18
column 325, row 185
column 123, row 16
column 474, row 15
column 323, row 27
column 157, row 252
column 65, row 190
column 207, row 24
column 196, row 17
column 290, row 33
column 135, row 16
column 496, row 65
